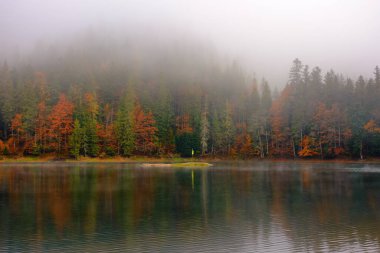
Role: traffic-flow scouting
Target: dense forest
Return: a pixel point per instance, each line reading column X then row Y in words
column 99, row 97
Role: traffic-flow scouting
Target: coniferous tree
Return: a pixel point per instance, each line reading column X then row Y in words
column 228, row 128
column 76, row 140
column 124, row 124
column 165, row 120
column 90, row 137
column 204, row 127
column 7, row 102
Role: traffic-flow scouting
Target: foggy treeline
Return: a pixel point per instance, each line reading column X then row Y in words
column 104, row 96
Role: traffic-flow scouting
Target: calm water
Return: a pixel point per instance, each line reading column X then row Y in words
column 236, row 207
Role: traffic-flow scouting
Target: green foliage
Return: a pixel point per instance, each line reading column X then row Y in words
column 186, row 143
column 6, row 151
column 164, row 116
column 125, row 124
column 76, row 140
column 90, row 138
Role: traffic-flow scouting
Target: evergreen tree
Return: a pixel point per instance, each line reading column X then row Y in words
column 164, row 116
column 295, row 74
column 124, row 124
column 266, row 103
column 204, row 126
column 377, row 76
column 216, row 135
column 228, row 129
column 90, row 138
column 7, row 102
column 76, row 140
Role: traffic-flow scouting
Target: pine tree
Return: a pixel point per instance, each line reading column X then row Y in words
column 266, row 103
column 377, row 76
column 165, row 120
column 295, row 74
column 76, row 140
column 228, row 129
column 7, row 102
column 90, row 137
column 216, row 134
column 124, row 124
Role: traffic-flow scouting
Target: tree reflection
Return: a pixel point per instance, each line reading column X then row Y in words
column 311, row 207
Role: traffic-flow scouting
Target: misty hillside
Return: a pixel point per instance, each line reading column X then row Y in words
column 163, row 94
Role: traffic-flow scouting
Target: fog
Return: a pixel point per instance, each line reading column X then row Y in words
column 264, row 36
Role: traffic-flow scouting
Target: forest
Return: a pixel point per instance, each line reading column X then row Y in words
column 99, row 97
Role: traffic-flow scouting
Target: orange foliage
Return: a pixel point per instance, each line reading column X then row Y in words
column 243, row 142
column 308, row 149
column 2, row 146
column 61, row 121
column 145, row 131
column 107, row 137
column 16, row 131
column 12, row 149
column 280, row 144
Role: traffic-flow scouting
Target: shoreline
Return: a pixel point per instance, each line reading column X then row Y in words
column 152, row 160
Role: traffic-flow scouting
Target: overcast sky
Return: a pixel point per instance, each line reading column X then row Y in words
column 265, row 36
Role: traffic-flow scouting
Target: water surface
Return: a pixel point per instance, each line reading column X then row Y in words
column 230, row 207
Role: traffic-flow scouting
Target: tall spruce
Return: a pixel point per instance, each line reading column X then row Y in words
column 125, row 123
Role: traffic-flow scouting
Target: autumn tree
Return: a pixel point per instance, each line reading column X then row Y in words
column 16, row 133
column 243, row 146
column 61, row 125
column 309, row 147
column 106, row 132
column 145, row 131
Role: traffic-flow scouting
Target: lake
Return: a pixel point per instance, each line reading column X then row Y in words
column 229, row 207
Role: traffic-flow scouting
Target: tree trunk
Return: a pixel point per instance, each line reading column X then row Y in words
column 294, row 149
column 361, row 150
column 266, row 137
column 261, row 146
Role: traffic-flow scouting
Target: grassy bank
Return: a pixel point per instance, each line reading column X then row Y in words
column 176, row 160
column 134, row 159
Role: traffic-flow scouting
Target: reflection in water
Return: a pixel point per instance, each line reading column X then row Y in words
column 229, row 207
